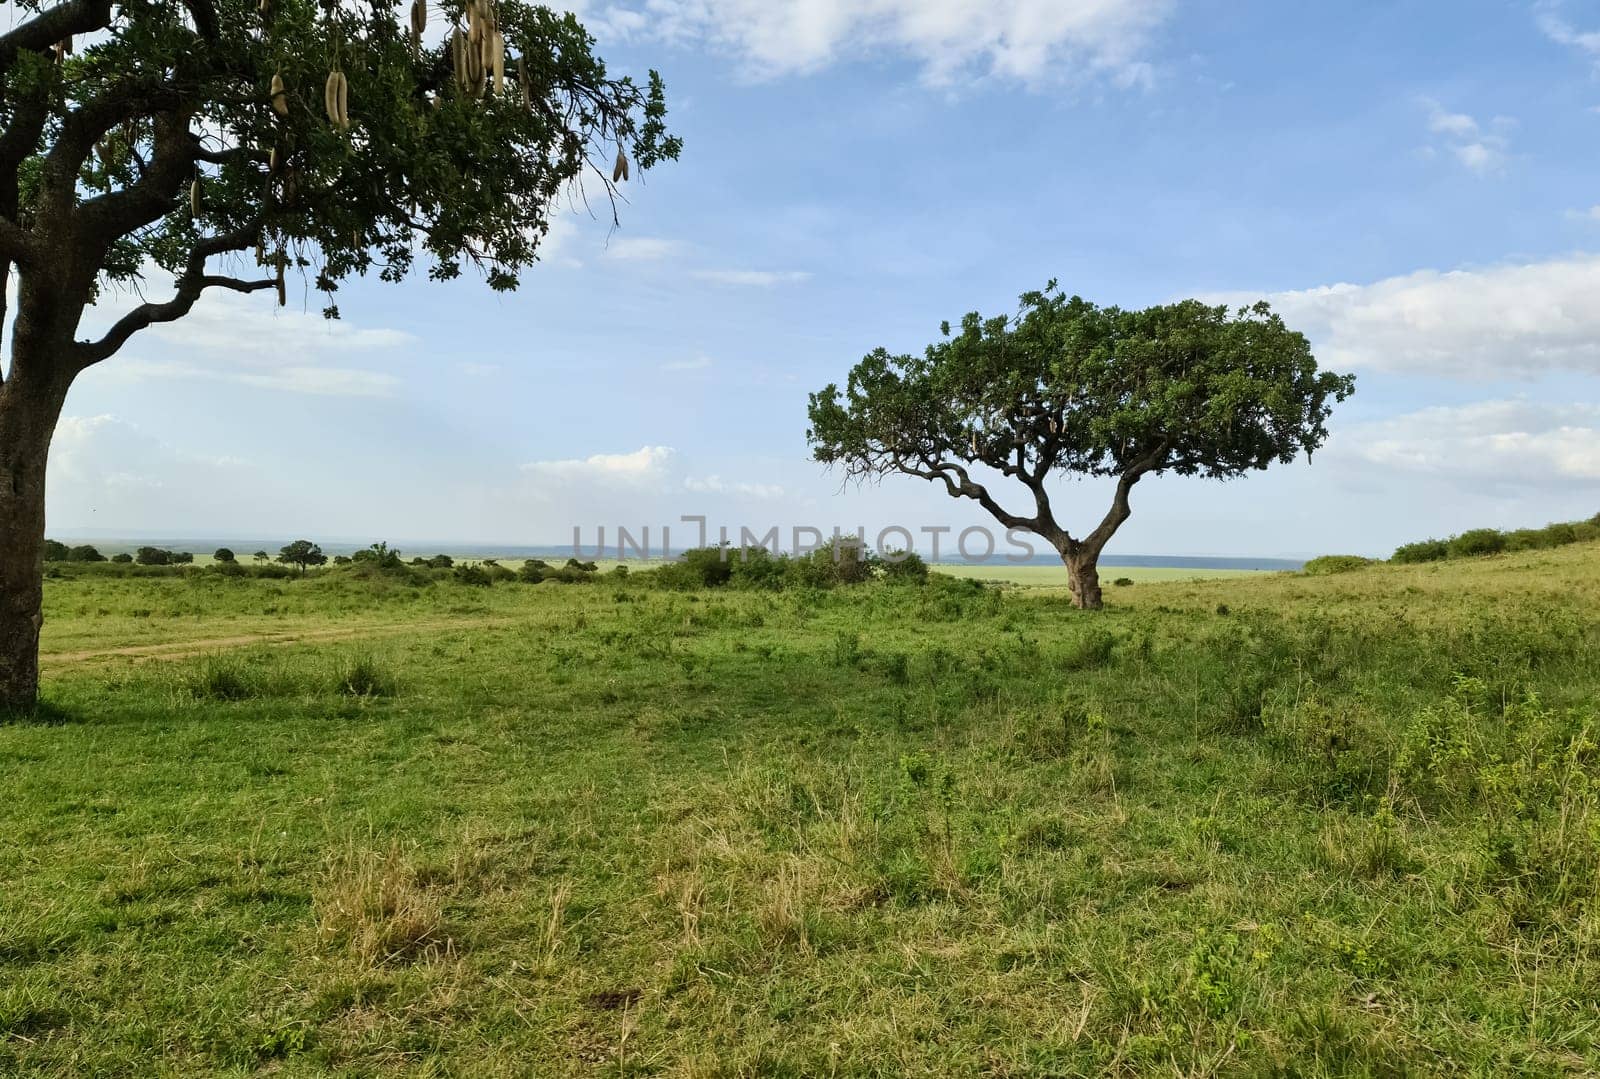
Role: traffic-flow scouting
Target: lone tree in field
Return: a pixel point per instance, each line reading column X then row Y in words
column 1068, row 387
column 263, row 146
column 302, row 553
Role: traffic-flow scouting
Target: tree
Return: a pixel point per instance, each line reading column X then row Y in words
column 85, row 553
column 301, row 553
column 122, row 557
column 261, row 556
column 223, row 554
column 153, row 556
column 55, row 551
column 1071, row 388
column 180, row 135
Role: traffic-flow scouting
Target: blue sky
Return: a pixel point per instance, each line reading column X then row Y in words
column 1414, row 185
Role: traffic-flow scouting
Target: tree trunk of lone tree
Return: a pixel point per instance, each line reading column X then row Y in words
column 1083, row 579
column 28, row 415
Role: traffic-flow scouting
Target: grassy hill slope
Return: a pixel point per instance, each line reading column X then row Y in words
column 1314, row 826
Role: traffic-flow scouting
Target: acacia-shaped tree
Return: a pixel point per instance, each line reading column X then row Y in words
column 1068, row 387
column 253, row 145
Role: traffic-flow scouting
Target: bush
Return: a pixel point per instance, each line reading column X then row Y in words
column 904, row 567
column 1477, row 541
column 223, row 554
column 1561, row 534
column 378, row 556
column 758, row 567
column 363, row 676
column 122, row 558
column 153, row 556
column 55, row 551
column 441, row 561
column 708, row 567
column 1430, row 550
column 85, row 553
column 533, row 570
column 472, row 575
column 1123, row 582
column 1335, row 563
column 845, row 561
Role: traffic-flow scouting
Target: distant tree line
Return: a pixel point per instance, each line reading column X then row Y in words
column 1473, row 543
column 1483, row 541
column 848, row 561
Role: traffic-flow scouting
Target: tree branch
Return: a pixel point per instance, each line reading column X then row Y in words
column 191, row 283
column 1121, row 509
column 51, row 26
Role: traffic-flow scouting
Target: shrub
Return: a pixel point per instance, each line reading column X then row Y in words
column 153, row 556
column 1561, row 534
column 363, row 676
column 182, row 558
column 708, row 567
column 847, row 560
column 122, row 558
column 1335, row 563
column 1430, row 550
column 379, row 556
column 904, row 567
column 441, row 561
column 223, row 554
column 1477, row 541
column 1528, row 539
column 533, row 570
column 85, row 553
column 55, row 551
column 1123, row 582
column 758, row 567
column 472, row 575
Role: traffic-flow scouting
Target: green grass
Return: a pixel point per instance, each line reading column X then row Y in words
column 1274, row 824
column 1032, row 576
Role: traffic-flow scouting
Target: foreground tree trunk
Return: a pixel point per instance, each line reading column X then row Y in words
column 1083, row 579
column 28, row 413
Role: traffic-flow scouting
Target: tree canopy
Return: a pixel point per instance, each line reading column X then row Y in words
column 302, row 553
column 1068, row 387
column 152, row 150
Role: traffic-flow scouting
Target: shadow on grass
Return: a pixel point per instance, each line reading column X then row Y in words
column 42, row 714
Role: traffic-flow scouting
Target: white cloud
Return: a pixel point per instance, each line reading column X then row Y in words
column 1512, row 321
column 1481, row 151
column 322, row 381
column 1031, row 41
column 640, row 248
column 716, row 485
column 645, row 465
column 1482, row 446
column 697, row 363
column 105, row 471
column 753, row 278
column 1591, row 214
column 246, row 338
column 1559, row 30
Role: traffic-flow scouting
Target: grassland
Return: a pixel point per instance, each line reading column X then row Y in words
column 1031, row 576
column 1264, row 825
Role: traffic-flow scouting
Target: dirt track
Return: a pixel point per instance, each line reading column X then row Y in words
column 144, row 653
